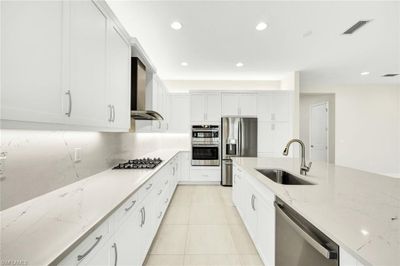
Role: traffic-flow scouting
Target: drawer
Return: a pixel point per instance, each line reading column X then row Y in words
column 124, row 211
column 147, row 187
column 89, row 246
column 205, row 174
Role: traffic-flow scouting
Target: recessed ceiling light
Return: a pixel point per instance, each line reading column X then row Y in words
column 184, row 64
column 176, row 25
column 239, row 64
column 364, row 73
column 261, row 26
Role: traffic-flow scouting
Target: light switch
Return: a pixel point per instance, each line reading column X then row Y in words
column 77, row 155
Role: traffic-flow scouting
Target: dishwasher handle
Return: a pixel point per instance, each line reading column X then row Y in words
column 329, row 254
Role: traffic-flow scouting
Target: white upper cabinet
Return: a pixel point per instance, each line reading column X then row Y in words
column 239, row 104
column 179, row 113
column 75, row 70
column 88, row 32
column 118, row 100
column 32, row 60
column 205, row 108
column 273, row 106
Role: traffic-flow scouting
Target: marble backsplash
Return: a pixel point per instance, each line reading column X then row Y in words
column 35, row 162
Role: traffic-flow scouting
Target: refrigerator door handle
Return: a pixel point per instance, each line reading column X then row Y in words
column 240, row 137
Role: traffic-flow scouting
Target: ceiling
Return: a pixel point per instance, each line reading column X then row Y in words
column 301, row 36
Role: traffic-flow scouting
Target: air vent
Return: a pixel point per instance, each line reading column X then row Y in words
column 390, row 75
column 356, row 26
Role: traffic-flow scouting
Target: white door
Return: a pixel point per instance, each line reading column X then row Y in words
column 88, row 64
column 230, row 104
column 118, row 100
column 319, row 132
column 31, row 61
column 247, row 105
column 197, row 105
column 213, row 109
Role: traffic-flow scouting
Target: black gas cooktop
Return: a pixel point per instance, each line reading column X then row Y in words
column 144, row 163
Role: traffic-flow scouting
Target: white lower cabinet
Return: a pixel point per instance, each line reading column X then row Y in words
column 126, row 236
column 345, row 259
column 255, row 205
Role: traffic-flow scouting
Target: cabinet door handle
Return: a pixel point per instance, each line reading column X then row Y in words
column 142, row 217
column 130, row 207
column 81, row 257
column 166, row 200
column 159, row 193
column 159, row 216
column 149, row 186
column 113, row 113
column 115, row 253
column 69, row 104
column 166, row 182
column 110, row 113
column 252, row 202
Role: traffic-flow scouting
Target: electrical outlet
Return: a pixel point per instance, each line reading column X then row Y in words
column 77, row 155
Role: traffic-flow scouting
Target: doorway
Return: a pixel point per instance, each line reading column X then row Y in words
column 319, row 132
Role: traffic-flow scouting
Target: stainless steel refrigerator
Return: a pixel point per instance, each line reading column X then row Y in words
column 238, row 139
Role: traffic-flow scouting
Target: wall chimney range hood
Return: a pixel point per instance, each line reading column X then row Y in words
column 138, row 93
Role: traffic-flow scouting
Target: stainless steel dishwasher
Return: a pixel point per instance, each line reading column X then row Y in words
column 299, row 243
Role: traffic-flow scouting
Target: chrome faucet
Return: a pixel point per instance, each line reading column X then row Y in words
column 303, row 167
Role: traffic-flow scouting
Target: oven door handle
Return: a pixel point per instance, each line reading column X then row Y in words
column 206, row 145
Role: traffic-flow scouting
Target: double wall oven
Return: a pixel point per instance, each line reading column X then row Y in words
column 205, row 145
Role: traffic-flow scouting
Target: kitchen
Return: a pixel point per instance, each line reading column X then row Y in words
column 145, row 133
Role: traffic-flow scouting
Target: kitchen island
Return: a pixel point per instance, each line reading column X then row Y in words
column 358, row 210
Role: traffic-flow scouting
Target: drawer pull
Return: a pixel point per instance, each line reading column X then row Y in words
column 166, row 182
column 130, row 207
column 166, row 200
column 159, row 216
column 159, row 193
column 149, row 186
column 81, row 257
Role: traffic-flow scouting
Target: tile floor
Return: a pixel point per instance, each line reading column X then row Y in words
column 202, row 227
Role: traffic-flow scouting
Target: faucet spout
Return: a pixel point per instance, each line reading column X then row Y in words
column 304, row 168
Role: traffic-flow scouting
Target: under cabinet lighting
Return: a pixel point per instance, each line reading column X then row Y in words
column 364, row 73
column 184, row 64
column 239, row 64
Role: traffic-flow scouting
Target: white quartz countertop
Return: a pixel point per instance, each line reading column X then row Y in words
column 360, row 211
column 38, row 231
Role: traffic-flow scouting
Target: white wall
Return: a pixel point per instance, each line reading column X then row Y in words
column 188, row 85
column 306, row 100
column 40, row 161
column 367, row 126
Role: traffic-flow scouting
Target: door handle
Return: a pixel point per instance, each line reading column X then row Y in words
column 130, row 207
column 115, row 253
column 312, row 146
column 113, row 113
column 110, row 114
column 70, row 103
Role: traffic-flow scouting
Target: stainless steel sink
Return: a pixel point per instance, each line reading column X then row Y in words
column 282, row 177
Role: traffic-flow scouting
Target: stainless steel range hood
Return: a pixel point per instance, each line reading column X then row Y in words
column 138, row 93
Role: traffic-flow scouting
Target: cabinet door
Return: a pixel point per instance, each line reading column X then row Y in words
column 128, row 239
column 118, row 91
column 266, row 232
column 179, row 113
column 102, row 257
column 197, row 105
column 229, row 104
column 265, row 137
column 248, row 105
column 272, row 137
column 282, row 134
column 87, row 64
column 279, row 107
column 213, row 108
column 185, row 166
column 31, row 61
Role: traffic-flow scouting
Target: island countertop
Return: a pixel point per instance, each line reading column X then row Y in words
column 39, row 231
column 360, row 211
